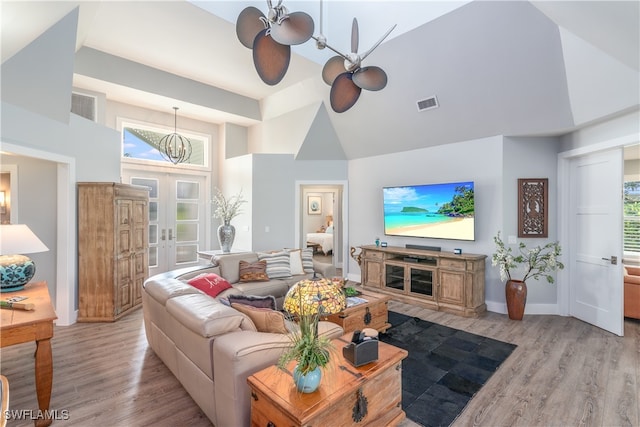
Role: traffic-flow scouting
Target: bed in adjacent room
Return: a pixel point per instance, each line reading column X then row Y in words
column 323, row 240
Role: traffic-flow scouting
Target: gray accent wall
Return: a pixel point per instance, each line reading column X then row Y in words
column 494, row 164
column 529, row 157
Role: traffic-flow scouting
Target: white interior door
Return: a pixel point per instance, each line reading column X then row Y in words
column 595, row 271
column 177, row 218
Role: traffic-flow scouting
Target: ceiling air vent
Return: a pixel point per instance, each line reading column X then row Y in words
column 83, row 105
column 428, row 103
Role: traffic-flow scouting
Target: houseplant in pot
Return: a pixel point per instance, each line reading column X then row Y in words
column 309, row 300
column 310, row 351
column 536, row 262
column 226, row 209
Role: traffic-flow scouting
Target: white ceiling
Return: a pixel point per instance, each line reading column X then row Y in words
column 438, row 48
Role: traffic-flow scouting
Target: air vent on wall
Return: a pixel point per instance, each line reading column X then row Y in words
column 83, row 105
column 428, row 103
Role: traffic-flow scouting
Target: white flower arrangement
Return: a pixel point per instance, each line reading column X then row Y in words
column 538, row 261
column 227, row 208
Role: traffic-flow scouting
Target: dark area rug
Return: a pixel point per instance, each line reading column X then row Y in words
column 445, row 368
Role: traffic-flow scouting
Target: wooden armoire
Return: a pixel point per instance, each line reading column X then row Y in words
column 113, row 249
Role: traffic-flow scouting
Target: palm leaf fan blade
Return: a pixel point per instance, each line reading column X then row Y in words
column 344, row 93
column 270, row 58
column 249, row 25
column 370, row 78
column 355, row 36
column 297, row 28
column 332, row 69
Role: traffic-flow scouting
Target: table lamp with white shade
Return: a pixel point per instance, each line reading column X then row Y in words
column 16, row 269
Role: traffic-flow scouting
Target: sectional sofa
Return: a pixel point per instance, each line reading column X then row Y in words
column 210, row 346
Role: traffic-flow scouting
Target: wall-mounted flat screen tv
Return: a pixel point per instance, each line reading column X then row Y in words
column 438, row 211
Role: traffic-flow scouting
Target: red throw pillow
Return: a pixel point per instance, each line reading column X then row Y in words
column 210, row 283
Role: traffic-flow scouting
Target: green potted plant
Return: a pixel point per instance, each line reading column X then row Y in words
column 536, row 262
column 310, row 351
column 308, row 300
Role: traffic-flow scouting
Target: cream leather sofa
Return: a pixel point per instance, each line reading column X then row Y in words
column 210, row 347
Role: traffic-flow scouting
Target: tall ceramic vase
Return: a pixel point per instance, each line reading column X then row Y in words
column 516, row 294
column 226, row 235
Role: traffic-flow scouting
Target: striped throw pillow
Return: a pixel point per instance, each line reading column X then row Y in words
column 307, row 260
column 278, row 266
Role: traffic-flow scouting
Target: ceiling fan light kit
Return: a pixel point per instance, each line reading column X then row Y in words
column 271, row 38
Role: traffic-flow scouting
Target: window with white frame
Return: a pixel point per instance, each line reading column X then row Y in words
column 140, row 142
column 632, row 218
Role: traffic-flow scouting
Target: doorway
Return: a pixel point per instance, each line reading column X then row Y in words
column 322, row 220
column 575, row 200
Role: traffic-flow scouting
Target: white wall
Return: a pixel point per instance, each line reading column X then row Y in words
column 37, row 196
column 236, row 175
column 616, row 127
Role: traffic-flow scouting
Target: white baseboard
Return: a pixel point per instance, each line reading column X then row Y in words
column 501, row 307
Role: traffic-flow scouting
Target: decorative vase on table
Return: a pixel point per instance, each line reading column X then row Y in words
column 226, row 235
column 309, row 382
column 516, row 295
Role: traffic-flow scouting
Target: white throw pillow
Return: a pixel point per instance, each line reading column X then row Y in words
column 295, row 262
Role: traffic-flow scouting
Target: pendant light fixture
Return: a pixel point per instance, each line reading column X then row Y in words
column 175, row 147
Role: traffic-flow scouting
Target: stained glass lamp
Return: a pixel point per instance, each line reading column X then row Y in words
column 314, row 296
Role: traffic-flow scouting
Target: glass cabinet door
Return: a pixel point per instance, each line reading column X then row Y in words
column 394, row 276
column 421, row 281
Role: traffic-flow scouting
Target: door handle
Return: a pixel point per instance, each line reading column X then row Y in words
column 613, row 260
column 163, row 235
column 171, row 234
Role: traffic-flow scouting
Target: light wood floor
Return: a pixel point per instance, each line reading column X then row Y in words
column 563, row 373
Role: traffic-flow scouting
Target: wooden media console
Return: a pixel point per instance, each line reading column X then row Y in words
column 437, row 280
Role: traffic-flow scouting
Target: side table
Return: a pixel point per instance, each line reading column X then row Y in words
column 371, row 393
column 19, row 326
column 371, row 314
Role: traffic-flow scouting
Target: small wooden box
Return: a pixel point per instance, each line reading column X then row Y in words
column 372, row 314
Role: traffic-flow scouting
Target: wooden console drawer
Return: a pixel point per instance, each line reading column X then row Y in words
column 454, row 264
column 377, row 256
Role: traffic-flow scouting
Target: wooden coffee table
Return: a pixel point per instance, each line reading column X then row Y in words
column 275, row 401
column 371, row 314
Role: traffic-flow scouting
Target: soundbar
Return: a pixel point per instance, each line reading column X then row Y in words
column 424, row 248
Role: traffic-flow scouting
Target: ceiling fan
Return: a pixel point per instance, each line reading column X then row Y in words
column 271, row 38
column 345, row 74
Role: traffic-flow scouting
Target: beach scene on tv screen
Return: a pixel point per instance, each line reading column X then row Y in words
column 441, row 211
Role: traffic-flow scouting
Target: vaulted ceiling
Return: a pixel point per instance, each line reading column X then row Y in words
column 504, row 67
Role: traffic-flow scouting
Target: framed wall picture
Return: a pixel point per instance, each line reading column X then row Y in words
column 314, row 205
column 533, row 209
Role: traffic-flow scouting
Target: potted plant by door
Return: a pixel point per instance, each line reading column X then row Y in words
column 536, row 262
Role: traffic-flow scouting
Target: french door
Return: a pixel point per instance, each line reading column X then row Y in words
column 177, row 217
